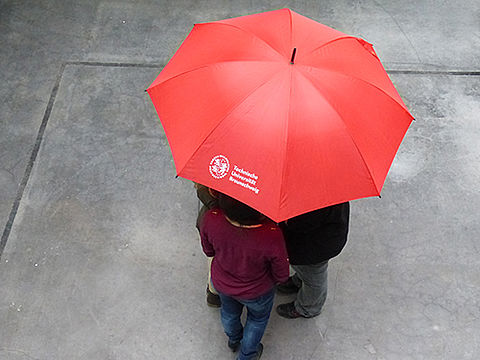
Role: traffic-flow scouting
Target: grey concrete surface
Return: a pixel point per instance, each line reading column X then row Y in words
column 99, row 255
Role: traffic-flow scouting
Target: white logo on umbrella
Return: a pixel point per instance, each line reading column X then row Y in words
column 219, row 166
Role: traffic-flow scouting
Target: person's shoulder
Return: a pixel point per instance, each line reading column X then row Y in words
column 211, row 216
column 272, row 238
column 270, row 224
column 214, row 213
column 315, row 216
column 272, row 229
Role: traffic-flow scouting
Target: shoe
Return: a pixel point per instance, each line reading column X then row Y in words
column 234, row 346
column 288, row 287
column 288, row 311
column 259, row 352
column 213, row 300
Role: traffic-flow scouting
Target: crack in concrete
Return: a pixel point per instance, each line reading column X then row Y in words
column 19, row 351
column 53, row 95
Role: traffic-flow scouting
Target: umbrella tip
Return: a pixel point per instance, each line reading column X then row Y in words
column 292, row 60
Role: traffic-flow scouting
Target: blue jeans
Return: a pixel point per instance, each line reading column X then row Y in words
column 258, row 313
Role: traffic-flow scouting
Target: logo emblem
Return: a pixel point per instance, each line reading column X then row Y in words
column 219, row 166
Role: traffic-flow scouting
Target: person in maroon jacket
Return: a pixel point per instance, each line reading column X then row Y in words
column 250, row 258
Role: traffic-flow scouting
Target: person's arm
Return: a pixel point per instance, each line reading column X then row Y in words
column 279, row 261
column 207, row 246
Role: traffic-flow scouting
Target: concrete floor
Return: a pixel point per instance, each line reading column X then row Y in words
column 99, row 255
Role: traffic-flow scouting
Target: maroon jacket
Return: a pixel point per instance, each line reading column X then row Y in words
column 247, row 262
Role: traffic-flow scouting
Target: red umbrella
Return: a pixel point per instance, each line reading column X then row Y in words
column 280, row 112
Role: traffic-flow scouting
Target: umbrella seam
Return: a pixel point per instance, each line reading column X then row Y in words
column 332, row 41
column 246, row 31
column 368, row 83
column 352, row 76
column 284, row 157
column 348, row 132
column 235, row 106
column 206, row 66
column 291, row 27
column 286, row 136
column 403, row 106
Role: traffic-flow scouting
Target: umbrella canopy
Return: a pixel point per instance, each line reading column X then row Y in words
column 280, row 112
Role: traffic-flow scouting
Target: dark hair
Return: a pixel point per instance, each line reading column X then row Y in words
column 238, row 211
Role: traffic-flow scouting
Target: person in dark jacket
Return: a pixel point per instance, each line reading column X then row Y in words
column 312, row 239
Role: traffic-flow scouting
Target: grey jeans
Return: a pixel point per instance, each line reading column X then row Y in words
column 312, row 280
